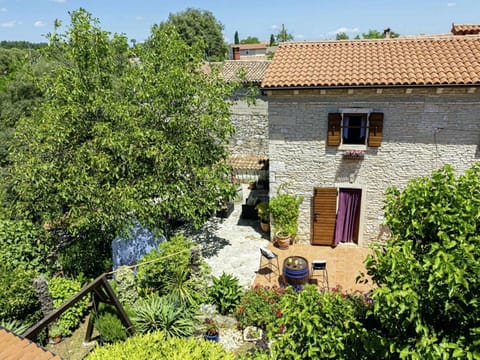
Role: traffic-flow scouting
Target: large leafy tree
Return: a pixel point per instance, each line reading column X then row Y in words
column 200, row 26
column 250, row 40
column 428, row 274
column 120, row 138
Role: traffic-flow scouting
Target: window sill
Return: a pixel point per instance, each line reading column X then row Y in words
column 344, row 147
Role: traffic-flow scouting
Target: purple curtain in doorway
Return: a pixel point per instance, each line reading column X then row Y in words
column 347, row 215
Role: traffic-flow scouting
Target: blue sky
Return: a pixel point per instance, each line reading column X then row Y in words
column 306, row 19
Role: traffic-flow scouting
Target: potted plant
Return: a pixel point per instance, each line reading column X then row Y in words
column 284, row 208
column 263, row 210
column 211, row 330
column 55, row 332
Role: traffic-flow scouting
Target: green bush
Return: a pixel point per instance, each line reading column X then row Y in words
column 110, row 328
column 154, row 346
column 14, row 326
column 312, row 325
column 284, row 208
column 157, row 313
column 168, row 271
column 18, row 300
column 61, row 289
column 125, row 286
column 24, row 243
column 89, row 255
column 161, row 264
column 225, row 293
column 259, row 306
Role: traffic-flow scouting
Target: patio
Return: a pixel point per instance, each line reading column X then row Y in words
column 344, row 264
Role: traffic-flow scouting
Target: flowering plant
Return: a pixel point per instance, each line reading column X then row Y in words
column 354, row 153
column 210, row 327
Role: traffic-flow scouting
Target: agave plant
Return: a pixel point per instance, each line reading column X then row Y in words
column 14, row 326
column 160, row 313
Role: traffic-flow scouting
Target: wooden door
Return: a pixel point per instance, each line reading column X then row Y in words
column 324, row 216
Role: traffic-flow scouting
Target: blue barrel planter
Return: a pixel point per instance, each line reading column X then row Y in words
column 296, row 274
column 215, row 337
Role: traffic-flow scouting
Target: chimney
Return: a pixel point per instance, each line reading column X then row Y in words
column 236, row 53
column 386, row 33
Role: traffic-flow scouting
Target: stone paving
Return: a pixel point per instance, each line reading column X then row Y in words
column 232, row 245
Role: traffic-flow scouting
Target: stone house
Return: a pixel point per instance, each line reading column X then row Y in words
column 349, row 118
column 248, row 51
column 249, row 145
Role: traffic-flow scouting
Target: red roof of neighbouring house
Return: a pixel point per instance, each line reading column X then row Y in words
column 414, row 61
column 14, row 347
column 251, row 71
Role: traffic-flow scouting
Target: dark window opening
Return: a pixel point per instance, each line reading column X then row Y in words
column 354, row 129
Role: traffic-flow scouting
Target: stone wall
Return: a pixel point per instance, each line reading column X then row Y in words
column 421, row 132
column 251, row 127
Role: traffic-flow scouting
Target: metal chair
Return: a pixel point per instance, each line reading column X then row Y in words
column 319, row 270
column 272, row 262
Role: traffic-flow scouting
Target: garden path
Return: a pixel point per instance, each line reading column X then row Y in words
column 232, row 245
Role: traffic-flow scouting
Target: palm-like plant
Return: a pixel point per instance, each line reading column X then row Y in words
column 160, row 313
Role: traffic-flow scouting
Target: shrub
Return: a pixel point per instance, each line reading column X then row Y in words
column 259, row 306
column 225, row 293
column 110, row 327
column 24, row 244
column 61, row 289
column 312, row 325
column 156, row 274
column 18, row 300
column 156, row 346
column 125, row 286
column 89, row 255
column 284, row 208
column 161, row 313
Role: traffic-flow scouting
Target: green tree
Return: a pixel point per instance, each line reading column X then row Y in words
column 375, row 34
column 283, row 35
column 272, row 40
column 236, row 40
column 341, row 36
column 200, row 26
column 250, row 40
column 428, row 274
column 118, row 141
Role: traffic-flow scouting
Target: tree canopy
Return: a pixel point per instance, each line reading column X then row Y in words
column 196, row 26
column 283, row 35
column 120, row 138
column 236, row 39
column 250, row 40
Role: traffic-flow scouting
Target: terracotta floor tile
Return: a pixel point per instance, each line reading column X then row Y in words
column 344, row 264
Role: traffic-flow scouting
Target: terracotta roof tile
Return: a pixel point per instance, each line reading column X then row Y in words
column 14, row 347
column 465, row 29
column 248, row 162
column 435, row 60
column 254, row 70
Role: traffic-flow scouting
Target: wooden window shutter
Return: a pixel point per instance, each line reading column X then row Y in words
column 375, row 129
column 334, row 129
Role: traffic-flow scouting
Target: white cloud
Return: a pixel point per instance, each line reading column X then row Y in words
column 3, row 9
column 139, row 18
column 345, row 30
column 59, row 1
column 299, row 36
column 451, row 4
column 9, row 24
column 39, row 24
column 275, row 27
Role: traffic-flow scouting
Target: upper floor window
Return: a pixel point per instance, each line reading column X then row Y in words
column 355, row 127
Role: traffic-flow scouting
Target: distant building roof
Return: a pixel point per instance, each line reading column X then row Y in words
column 248, row 162
column 15, row 347
column 249, row 71
column 465, row 29
column 415, row 61
column 250, row 46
